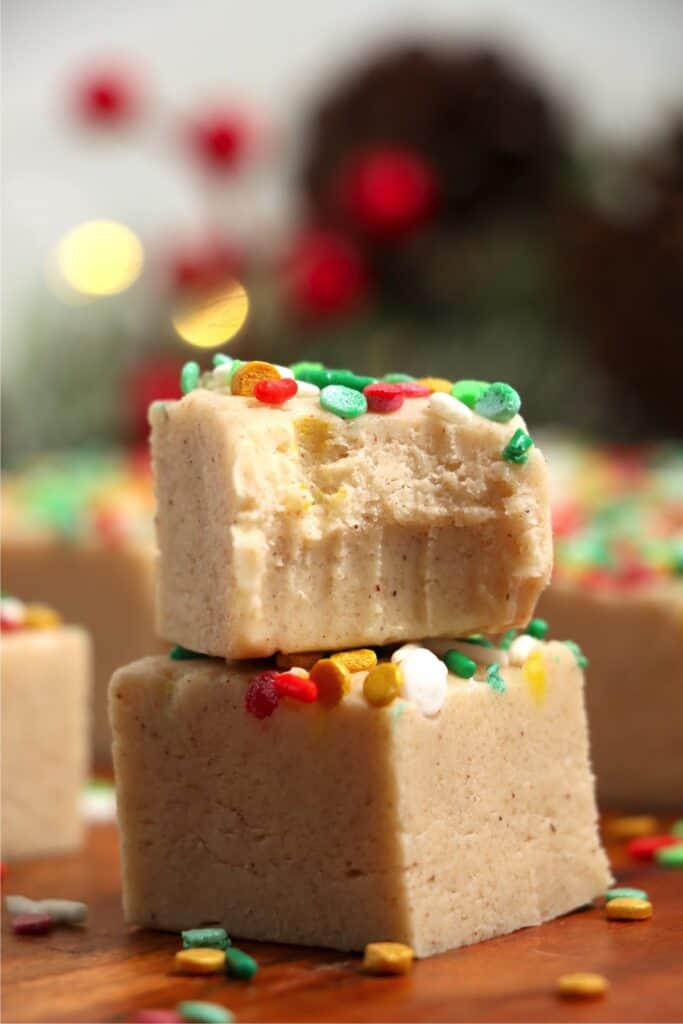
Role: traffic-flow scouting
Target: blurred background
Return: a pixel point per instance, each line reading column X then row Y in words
column 461, row 188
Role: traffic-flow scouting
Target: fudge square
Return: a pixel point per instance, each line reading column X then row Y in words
column 46, row 680
column 294, row 529
column 338, row 827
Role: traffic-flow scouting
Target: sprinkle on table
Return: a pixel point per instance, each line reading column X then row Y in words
column 200, row 960
column 632, row 826
column 645, row 847
column 239, row 964
column 670, row 856
column 625, row 892
column 196, row 1011
column 387, row 958
column 625, row 908
column 582, row 985
column 32, row 924
column 211, row 936
column 677, row 828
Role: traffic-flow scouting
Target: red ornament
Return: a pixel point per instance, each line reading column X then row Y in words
column 152, row 380
column 220, row 140
column 390, row 192
column 327, row 275
column 107, row 96
column 204, row 266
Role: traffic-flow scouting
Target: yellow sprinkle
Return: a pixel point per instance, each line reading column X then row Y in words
column 41, row 616
column 628, row 908
column 200, row 960
column 387, row 958
column 437, row 384
column 632, row 827
column 582, row 985
column 383, row 683
column 332, row 679
column 248, row 374
column 361, row 660
column 312, row 435
column 305, row 659
column 535, row 674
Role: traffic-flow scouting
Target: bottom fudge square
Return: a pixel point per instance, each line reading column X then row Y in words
column 345, row 825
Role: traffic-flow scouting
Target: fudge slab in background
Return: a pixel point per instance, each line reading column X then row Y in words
column 340, row 827
column 77, row 532
column 46, row 690
column 291, row 529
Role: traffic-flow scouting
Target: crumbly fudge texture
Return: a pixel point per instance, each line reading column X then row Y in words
column 338, row 827
column 46, row 676
column 633, row 638
column 290, row 529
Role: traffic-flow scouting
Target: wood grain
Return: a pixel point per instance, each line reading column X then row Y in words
column 105, row 971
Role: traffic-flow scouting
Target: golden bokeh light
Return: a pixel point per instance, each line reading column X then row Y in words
column 214, row 319
column 100, row 257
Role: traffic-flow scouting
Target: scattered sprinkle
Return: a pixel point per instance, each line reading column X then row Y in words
column 582, row 985
column 98, row 802
column 275, row 392
column 157, row 1017
column 459, row 664
column 495, row 679
column 333, row 680
column 60, row 911
column 198, row 960
column 448, row 408
column 397, row 378
column 41, row 616
column 262, row 697
column 670, row 856
column 625, row 908
column 412, row 389
column 517, row 448
column 645, row 847
column 32, row 924
column 521, row 648
column 387, row 958
column 499, row 403
column 506, row 639
column 677, row 828
column 469, row 391
column 535, row 675
column 360, row 660
column 213, row 937
column 383, row 397
column 195, row 1011
column 343, row 401
column 239, row 964
column 179, row 653
column 625, row 892
column 296, row 687
column 581, row 659
column 425, row 679
column 436, row 384
column 632, row 826
column 189, row 377
column 538, row 628
column 383, row 684
column 246, row 377
column 306, row 659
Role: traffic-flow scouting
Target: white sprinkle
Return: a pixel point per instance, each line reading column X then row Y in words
column 482, row 655
column 521, row 647
column 284, row 371
column 398, row 656
column 425, row 679
column 222, row 373
column 448, row 408
column 61, row 911
column 98, row 804
column 304, row 389
column 12, row 609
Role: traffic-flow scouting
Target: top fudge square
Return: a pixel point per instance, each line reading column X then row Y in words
column 290, row 528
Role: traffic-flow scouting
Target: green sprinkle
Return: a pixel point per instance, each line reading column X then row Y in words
column 625, row 892
column 517, row 448
column 469, row 391
column 239, row 964
column 213, row 938
column 677, row 828
column 506, row 639
column 303, row 367
column 459, row 664
column 476, row 638
column 495, row 679
column 179, row 653
column 670, row 856
column 220, row 360
column 196, row 1011
column 499, row 403
column 342, row 401
column 397, row 378
column 314, row 374
column 348, row 379
column 581, row 659
column 537, row 628
column 189, row 377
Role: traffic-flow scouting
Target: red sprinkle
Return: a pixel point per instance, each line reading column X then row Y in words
column 262, row 696
column 645, row 847
column 9, row 625
column 275, row 392
column 156, row 1017
column 384, row 397
column 32, row 924
column 411, row 389
column 635, row 573
column 289, row 684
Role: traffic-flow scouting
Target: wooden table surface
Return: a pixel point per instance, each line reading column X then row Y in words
column 105, row 971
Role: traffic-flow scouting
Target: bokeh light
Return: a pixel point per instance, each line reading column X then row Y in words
column 215, row 319
column 100, row 257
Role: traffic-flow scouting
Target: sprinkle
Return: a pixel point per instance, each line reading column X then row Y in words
column 448, row 408
column 301, row 369
column 398, row 378
column 645, row 847
column 179, row 653
column 632, row 827
column 582, row 985
column 383, row 397
column 534, row 673
column 477, row 652
column 411, row 389
column 477, row 638
column 677, row 828
column 189, row 377
column 213, row 937
column 343, row 401
column 239, row 964
column 275, row 392
column 305, row 659
column 360, row 660
column 98, row 802
column 538, row 628
column 581, row 659
column 521, row 647
column 387, row 958
column 60, row 911
column 301, row 688
column 468, row 391
column 517, row 448
column 220, row 359
column 383, row 684
column 32, row 924
column 304, row 389
column 425, row 680
column 262, row 697
column 348, row 379
column 13, row 611
column 248, row 374
column 436, row 384
column 200, row 960
column 624, row 908
column 495, row 679
column 157, row 1017
column 402, row 653
column 459, row 664
column 195, row 1011
column 332, row 679
column 41, row 616
column 625, row 892
column 505, row 641
column 284, row 371
column 670, row 856
column 499, row 403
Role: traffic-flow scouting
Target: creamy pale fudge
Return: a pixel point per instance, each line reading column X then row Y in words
column 618, row 588
column 77, row 530
column 336, row 807
column 46, row 684
column 292, row 516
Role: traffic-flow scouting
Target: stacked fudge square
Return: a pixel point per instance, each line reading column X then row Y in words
column 350, row 742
